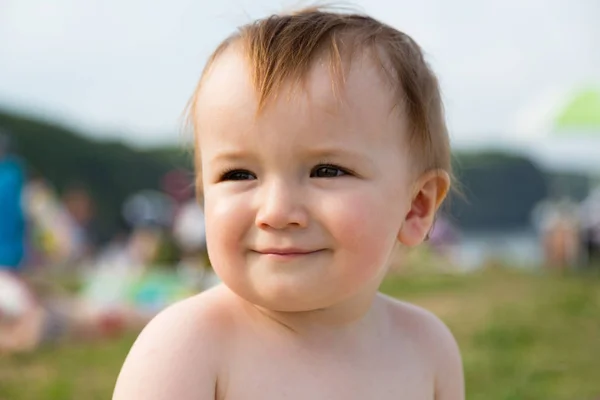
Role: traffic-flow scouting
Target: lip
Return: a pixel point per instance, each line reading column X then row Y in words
column 287, row 252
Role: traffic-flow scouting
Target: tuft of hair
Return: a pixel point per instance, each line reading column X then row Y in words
column 282, row 48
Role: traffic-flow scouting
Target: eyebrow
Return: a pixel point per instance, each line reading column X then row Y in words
column 327, row 152
column 231, row 155
column 322, row 154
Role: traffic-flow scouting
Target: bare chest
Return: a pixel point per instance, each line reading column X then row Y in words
column 276, row 375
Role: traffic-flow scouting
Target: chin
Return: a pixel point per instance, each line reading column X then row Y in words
column 292, row 306
column 283, row 298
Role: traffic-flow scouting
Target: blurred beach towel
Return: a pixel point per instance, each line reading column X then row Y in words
column 148, row 292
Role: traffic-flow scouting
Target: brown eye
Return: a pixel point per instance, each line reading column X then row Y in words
column 327, row 171
column 237, row 175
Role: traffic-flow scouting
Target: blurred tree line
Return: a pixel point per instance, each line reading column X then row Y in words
column 108, row 171
column 499, row 190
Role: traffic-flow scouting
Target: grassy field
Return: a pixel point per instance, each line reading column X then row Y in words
column 523, row 336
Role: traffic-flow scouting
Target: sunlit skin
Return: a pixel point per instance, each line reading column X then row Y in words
column 305, row 202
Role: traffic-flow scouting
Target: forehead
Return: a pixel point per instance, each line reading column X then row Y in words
column 360, row 96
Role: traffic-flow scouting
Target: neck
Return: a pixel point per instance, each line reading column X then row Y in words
column 352, row 315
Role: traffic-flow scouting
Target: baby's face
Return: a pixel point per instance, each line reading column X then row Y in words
column 303, row 203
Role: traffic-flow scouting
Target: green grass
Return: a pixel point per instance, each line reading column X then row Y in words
column 67, row 371
column 522, row 336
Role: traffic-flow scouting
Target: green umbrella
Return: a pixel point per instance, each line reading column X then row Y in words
column 561, row 131
column 581, row 114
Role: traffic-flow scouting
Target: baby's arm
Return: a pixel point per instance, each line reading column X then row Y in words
column 175, row 357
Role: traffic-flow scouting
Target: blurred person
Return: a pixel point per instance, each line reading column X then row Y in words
column 133, row 252
column 80, row 207
column 558, row 223
column 143, row 239
column 320, row 147
column 109, row 304
column 116, row 252
column 17, row 310
column 149, row 215
column 189, row 232
column 29, row 320
column 590, row 227
column 12, row 221
column 149, row 208
column 53, row 229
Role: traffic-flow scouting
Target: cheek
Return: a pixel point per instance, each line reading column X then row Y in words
column 227, row 221
column 365, row 224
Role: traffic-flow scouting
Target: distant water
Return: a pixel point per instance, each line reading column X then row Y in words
column 520, row 248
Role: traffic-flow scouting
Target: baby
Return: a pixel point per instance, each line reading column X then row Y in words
column 320, row 147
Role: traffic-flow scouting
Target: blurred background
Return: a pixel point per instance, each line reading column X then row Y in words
column 99, row 229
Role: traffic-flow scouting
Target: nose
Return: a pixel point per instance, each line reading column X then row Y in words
column 281, row 206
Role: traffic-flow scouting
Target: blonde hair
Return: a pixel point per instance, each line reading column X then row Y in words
column 282, row 48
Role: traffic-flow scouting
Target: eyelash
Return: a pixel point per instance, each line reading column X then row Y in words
column 228, row 174
column 345, row 171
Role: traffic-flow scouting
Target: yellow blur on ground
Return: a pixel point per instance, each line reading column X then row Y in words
column 523, row 335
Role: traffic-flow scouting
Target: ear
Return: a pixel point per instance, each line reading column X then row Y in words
column 430, row 190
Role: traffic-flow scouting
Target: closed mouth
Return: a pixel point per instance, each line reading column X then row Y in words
column 287, row 252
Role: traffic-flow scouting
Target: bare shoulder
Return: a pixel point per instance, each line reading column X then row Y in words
column 417, row 322
column 434, row 341
column 179, row 353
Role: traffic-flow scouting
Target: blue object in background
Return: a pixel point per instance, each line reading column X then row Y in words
column 12, row 221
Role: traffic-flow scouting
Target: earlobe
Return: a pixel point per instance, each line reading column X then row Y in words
column 430, row 191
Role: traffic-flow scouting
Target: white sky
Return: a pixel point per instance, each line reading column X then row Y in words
column 125, row 68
